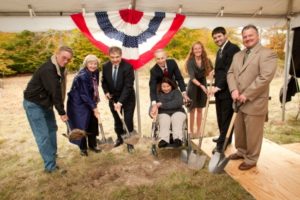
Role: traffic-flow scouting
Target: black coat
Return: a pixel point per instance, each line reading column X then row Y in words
column 222, row 65
column 156, row 76
column 81, row 100
column 124, row 89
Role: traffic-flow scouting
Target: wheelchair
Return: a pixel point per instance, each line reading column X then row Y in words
column 155, row 136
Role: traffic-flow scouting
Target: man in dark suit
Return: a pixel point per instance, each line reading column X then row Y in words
column 164, row 68
column 220, row 90
column 117, row 84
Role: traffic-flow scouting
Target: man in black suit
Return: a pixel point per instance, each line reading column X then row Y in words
column 220, row 90
column 117, row 84
column 164, row 68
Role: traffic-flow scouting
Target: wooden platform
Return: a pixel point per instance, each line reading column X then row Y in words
column 293, row 147
column 276, row 176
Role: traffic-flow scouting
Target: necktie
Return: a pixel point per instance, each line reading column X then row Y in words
column 165, row 72
column 246, row 55
column 96, row 92
column 220, row 53
column 115, row 75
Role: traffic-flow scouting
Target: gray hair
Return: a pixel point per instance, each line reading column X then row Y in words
column 90, row 58
column 115, row 49
column 250, row 26
column 67, row 49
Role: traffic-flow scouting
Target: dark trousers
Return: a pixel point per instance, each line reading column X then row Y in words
column 224, row 114
column 128, row 109
column 92, row 132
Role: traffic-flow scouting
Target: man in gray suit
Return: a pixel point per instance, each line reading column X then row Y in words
column 249, row 77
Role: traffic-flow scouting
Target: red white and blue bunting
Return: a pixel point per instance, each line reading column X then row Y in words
column 138, row 33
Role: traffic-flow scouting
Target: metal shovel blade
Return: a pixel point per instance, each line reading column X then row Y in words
column 196, row 161
column 184, row 156
column 217, row 163
column 107, row 144
column 132, row 138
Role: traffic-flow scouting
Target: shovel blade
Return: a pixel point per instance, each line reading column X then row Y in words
column 131, row 139
column 110, row 140
column 217, row 163
column 106, row 146
column 184, row 156
column 196, row 161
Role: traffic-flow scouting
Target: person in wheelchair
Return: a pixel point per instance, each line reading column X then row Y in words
column 170, row 113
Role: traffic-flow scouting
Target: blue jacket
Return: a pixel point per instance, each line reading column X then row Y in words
column 81, row 101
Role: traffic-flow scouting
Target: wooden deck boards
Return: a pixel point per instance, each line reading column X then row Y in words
column 277, row 175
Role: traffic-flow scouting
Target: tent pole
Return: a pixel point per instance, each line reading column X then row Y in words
column 136, row 74
column 288, row 55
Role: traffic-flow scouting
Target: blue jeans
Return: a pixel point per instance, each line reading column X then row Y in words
column 43, row 125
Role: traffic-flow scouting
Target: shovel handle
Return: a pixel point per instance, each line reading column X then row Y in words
column 123, row 122
column 203, row 122
column 68, row 128
column 153, row 126
column 101, row 126
column 236, row 108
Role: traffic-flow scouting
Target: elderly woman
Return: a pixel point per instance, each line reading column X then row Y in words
column 82, row 103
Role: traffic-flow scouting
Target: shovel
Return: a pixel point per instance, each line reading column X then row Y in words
column 190, row 156
column 154, row 137
column 218, row 161
column 75, row 134
column 129, row 138
column 104, row 143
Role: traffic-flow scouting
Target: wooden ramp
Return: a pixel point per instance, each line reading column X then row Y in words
column 293, row 147
column 276, row 176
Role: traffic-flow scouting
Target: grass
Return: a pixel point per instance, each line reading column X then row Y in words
column 284, row 133
column 116, row 174
column 109, row 176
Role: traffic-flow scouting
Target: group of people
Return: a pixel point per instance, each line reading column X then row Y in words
column 239, row 76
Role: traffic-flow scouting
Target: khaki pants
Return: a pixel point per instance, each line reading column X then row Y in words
column 248, row 136
column 165, row 121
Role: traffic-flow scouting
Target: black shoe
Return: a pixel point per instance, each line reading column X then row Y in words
column 130, row 148
column 217, row 149
column 84, row 153
column 56, row 170
column 162, row 144
column 95, row 149
column 118, row 142
column 216, row 140
column 177, row 143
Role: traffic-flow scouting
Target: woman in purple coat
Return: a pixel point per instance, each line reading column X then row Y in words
column 82, row 103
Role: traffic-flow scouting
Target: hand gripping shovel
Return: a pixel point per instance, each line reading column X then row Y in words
column 218, row 161
column 105, row 144
column 129, row 138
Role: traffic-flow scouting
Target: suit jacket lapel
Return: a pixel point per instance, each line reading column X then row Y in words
column 253, row 54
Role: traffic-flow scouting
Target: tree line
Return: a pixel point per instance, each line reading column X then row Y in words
column 24, row 52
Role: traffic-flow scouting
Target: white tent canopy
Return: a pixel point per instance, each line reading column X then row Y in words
column 41, row 15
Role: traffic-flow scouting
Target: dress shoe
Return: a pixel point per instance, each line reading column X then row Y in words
column 84, row 152
column 245, row 166
column 95, row 149
column 217, row 149
column 177, row 143
column 235, row 156
column 162, row 144
column 118, row 142
column 130, row 148
column 216, row 140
